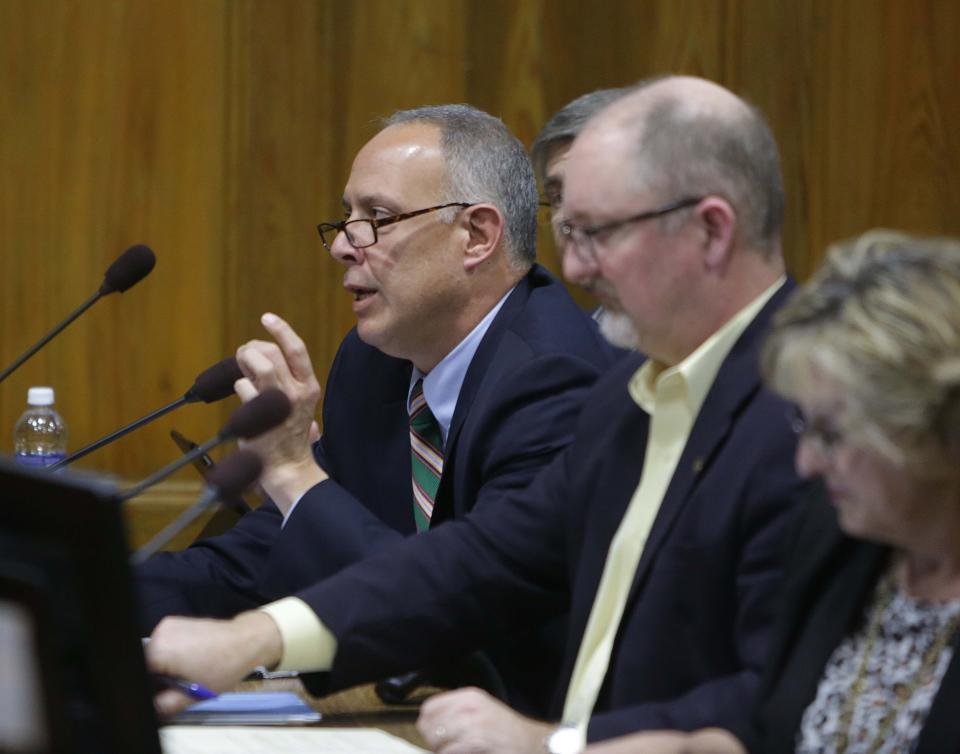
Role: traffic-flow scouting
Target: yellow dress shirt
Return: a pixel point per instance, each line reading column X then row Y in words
column 672, row 397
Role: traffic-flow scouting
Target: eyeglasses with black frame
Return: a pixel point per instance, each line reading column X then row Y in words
column 362, row 232
column 583, row 240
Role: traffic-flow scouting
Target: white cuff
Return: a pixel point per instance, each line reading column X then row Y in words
column 308, row 645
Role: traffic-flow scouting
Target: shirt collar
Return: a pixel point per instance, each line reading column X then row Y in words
column 697, row 372
column 441, row 387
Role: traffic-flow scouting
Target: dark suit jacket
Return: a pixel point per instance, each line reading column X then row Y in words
column 696, row 627
column 829, row 579
column 515, row 411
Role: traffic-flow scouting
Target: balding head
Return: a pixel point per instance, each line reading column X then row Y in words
column 485, row 162
column 692, row 137
column 672, row 210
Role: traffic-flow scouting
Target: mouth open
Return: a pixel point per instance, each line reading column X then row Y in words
column 360, row 294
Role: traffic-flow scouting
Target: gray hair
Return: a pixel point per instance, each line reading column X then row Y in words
column 882, row 317
column 567, row 123
column 686, row 151
column 485, row 162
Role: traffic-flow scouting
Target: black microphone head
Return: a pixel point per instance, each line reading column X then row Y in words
column 128, row 269
column 215, row 383
column 235, row 473
column 261, row 414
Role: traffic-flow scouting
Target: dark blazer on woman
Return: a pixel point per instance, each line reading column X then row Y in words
column 830, row 578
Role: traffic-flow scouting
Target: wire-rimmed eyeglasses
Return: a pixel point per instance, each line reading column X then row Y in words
column 583, row 240
column 362, row 232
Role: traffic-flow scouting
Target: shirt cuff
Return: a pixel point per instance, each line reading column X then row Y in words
column 308, row 645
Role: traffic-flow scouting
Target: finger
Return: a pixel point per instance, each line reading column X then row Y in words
column 426, row 725
column 170, row 702
column 436, row 736
column 265, row 366
column 433, row 729
column 245, row 390
column 455, row 702
column 292, row 345
column 244, row 351
column 435, row 704
column 431, row 708
column 460, row 745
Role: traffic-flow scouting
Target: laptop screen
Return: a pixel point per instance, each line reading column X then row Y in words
column 73, row 678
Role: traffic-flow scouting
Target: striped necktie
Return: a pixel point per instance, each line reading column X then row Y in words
column 426, row 446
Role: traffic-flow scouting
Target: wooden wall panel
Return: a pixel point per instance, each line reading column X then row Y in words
column 112, row 128
column 548, row 53
column 279, row 149
column 221, row 131
column 384, row 56
column 767, row 58
column 886, row 144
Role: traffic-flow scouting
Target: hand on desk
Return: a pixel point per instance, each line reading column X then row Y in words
column 216, row 653
column 289, row 465
column 470, row 720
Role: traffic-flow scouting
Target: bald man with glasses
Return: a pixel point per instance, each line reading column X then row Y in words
column 461, row 380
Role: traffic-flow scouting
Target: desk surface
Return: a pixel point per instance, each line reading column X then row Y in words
column 358, row 707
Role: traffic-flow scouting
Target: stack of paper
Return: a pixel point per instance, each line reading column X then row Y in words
column 188, row 739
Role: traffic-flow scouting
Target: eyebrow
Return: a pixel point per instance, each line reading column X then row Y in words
column 368, row 200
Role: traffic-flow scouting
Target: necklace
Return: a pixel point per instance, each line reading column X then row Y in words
column 905, row 692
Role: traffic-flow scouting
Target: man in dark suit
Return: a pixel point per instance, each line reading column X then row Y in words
column 659, row 526
column 438, row 248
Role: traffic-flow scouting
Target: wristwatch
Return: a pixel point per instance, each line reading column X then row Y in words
column 567, row 738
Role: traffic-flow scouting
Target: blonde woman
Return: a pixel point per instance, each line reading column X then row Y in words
column 866, row 655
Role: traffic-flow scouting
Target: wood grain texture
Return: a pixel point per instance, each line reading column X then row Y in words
column 221, row 131
column 112, row 122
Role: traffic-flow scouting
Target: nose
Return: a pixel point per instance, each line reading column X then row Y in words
column 575, row 269
column 345, row 253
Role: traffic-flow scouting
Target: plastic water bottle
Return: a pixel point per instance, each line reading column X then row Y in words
column 40, row 437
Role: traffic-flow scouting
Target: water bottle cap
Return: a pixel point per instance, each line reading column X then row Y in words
column 40, row 396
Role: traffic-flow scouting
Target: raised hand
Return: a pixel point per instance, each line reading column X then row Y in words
column 289, row 465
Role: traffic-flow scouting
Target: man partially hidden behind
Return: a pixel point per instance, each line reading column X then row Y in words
column 460, row 382
column 549, row 156
column 660, row 524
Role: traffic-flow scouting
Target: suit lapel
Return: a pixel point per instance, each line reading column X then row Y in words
column 515, row 303
column 823, row 613
column 837, row 579
column 486, row 351
column 736, row 383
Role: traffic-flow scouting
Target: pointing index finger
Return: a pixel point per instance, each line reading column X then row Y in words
column 292, row 345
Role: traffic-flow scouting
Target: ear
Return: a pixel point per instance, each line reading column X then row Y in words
column 484, row 226
column 718, row 220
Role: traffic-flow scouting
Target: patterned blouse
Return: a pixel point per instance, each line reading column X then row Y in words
column 898, row 670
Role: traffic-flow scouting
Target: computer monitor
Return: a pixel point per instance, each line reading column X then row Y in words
column 73, row 678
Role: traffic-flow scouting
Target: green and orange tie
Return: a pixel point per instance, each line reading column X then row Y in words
column 426, row 447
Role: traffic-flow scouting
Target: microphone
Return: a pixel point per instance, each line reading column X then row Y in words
column 263, row 413
column 129, row 269
column 211, row 385
column 232, row 476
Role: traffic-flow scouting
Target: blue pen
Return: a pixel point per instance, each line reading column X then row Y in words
column 193, row 690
